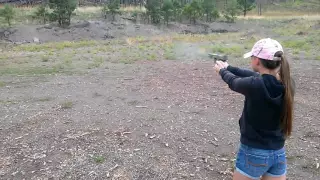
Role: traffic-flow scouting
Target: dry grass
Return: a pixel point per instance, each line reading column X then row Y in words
column 2, row 84
column 66, row 105
column 94, row 9
column 282, row 15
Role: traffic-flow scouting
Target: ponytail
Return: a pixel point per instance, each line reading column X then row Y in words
column 287, row 113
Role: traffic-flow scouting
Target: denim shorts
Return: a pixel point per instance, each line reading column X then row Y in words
column 254, row 163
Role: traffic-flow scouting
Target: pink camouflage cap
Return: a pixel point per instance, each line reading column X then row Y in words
column 265, row 49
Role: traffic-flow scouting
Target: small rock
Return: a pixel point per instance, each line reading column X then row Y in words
column 224, row 159
column 38, row 156
column 301, row 33
column 153, row 136
column 167, row 145
column 14, row 173
column 36, row 40
column 192, row 175
column 47, row 27
column 6, row 33
column 215, row 144
column 108, row 36
column 82, row 25
column 205, row 160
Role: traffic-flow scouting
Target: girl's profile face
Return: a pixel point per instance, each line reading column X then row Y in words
column 254, row 63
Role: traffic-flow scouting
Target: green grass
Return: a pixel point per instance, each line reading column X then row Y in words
column 318, row 58
column 44, row 58
column 99, row 159
column 97, row 62
column 54, row 46
column 235, row 50
column 302, row 45
column 66, row 105
column 23, row 15
column 125, row 61
column 30, row 70
column 8, row 102
column 2, row 84
column 169, row 56
column 307, row 42
column 152, row 57
column 44, row 99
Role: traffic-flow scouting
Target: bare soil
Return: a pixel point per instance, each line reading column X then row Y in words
column 147, row 120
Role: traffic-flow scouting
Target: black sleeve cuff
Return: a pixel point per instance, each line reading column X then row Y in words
column 222, row 70
column 230, row 68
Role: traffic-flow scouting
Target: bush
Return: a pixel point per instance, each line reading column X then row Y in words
column 208, row 6
column 42, row 13
column 62, row 11
column 167, row 10
column 193, row 11
column 214, row 14
column 114, row 8
column 177, row 10
column 246, row 5
column 153, row 10
column 105, row 10
column 7, row 13
column 232, row 11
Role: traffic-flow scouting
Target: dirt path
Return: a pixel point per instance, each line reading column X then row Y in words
column 161, row 120
column 165, row 119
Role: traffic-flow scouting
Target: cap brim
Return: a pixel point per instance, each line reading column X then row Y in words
column 247, row 55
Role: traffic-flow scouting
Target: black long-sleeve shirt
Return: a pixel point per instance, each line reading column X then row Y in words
column 260, row 122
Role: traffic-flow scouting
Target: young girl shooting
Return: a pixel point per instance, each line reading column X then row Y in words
column 266, row 120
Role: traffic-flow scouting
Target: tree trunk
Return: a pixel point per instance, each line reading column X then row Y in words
column 260, row 12
column 207, row 16
column 245, row 8
column 8, row 20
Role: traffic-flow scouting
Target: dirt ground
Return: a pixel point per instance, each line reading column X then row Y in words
column 147, row 120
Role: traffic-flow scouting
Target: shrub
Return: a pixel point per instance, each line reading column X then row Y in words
column 42, row 13
column 232, row 11
column 62, row 11
column 167, row 10
column 7, row 13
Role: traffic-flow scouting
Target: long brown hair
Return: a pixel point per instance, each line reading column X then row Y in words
column 287, row 113
column 285, row 76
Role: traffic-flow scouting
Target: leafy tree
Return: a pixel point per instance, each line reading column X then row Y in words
column 177, row 9
column 187, row 11
column 62, row 11
column 7, row 13
column 105, row 10
column 153, row 10
column 232, row 11
column 167, row 10
column 208, row 6
column 42, row 13
column 193, row 10
column 246, row 5
column 214, row 14
column 114, row 8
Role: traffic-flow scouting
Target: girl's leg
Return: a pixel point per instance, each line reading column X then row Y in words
column 239, row 176
column 274, row 178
